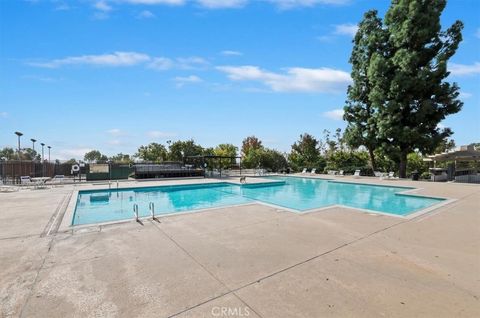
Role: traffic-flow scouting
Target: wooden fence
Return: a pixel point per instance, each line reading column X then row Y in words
column 10, row 171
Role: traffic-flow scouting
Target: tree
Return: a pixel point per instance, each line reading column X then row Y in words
column 416, row 163
column 153, row 152
column 120, row 157
column 272, row 160
column 445, row 145
column 71, row 161
column 476, row 145
column 305, row 152
column 30, row 154
column 360, row 113
column 250, row 143
column 180, row 149
column 226, row 150
column 24, row 154
column 95, row 156
column 252, row 152
column 348, row 161
column 406, row 79
column 333, row 144
column 417, row 96
column 210, row 151
column 7, row 153
column 253, row 158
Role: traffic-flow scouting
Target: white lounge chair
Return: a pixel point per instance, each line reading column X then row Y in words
column 314, row 170
column 26, row 181
column 7, row 188
column 304, row 170
column 391, row 176
column 341, row 173
column 356, row 174
column 59, row 179
column 378, row 174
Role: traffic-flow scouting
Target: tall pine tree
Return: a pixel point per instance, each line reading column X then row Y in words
column 360, row 113
column 418, row 97
column 407, row 79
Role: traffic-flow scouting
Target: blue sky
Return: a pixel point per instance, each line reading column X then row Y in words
column 116, row 74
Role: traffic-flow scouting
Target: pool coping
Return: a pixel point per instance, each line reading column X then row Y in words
column 67, row 225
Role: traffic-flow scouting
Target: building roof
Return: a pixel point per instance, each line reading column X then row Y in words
column 465, row 153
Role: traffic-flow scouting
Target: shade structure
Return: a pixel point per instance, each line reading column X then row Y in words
column 465, row 153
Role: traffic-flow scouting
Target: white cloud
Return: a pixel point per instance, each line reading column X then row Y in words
column 193, row 62
column 231, row 53
column 145, row 14
column 222, row 4
column 160, row 134
column 296, row 79
column 116, row 132
column 349, row 29
column 335, row 114
column 118, row 59
column 102, row 5
column 113, row 59
column 161, row 64
column 40, row 78
column 441, row 126
column 184, row 63
column 289, row 4
column 3, row 114
column 325, row 38
column 114, row 142
column 464, row 69
column 62, row 7
column 100, row 15
column 154, row 2
column 181, row 81
column 465, row 95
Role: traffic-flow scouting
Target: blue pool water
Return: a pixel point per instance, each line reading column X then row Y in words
column 300, row 194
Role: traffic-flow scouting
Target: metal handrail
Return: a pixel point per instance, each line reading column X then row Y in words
column 135, row 211
column 151, row 207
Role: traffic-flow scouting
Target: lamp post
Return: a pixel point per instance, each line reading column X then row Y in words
column 49, row 147
column 19, row 134
column 33, row 143
column 43, row 145
column 43, row 162
column 33, row 148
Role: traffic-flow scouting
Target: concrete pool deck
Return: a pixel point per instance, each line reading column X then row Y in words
column 245, row 261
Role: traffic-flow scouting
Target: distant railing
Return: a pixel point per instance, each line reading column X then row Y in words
column 468, row 178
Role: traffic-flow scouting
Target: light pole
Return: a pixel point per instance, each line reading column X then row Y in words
column 43, row 162
column 43, row 145
column 49, row 147
column 19, row 134
column 33, row 147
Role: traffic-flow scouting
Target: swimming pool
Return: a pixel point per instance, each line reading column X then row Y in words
column 294, row 193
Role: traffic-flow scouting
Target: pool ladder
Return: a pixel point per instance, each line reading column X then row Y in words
column 110, row 185
column 135, row 211
column 151, row 207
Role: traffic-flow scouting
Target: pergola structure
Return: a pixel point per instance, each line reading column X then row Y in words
column 464, row 154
